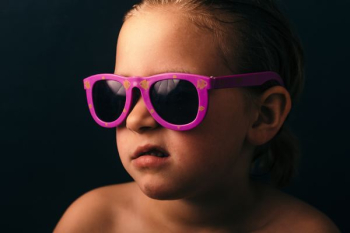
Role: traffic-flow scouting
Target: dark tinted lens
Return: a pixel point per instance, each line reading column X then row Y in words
column 109, row 99
column 176, row 101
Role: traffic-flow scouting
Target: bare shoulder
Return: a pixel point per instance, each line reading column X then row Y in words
column 97, row 210
column 293, row 215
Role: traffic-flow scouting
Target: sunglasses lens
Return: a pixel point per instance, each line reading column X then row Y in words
column 109, row 98
column 175, row 101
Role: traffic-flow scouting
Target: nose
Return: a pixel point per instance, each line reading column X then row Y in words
column 139, row 119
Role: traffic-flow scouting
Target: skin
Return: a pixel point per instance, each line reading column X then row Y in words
column 205, row 187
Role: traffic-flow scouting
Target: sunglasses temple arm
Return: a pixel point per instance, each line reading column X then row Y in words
column 245, row 80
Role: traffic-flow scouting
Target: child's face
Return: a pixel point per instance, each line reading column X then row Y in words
column 211, row 155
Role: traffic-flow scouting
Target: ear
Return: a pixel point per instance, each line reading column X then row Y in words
column 273, row 108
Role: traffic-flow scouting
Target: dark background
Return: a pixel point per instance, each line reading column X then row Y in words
column 52, row 151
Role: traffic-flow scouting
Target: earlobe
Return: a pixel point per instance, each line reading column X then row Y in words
column 273, row 108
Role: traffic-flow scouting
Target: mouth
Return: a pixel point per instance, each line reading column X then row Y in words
column 150, row 150
column 150, row 157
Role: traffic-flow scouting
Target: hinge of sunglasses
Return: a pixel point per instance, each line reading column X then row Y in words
column 218, row 82
column 213, row 82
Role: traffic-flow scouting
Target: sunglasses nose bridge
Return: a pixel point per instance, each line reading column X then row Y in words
column 140, row 83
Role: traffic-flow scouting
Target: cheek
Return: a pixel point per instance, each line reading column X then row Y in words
column 227, row 121
column 210, row 153
column 122, row 145
column 220, row 137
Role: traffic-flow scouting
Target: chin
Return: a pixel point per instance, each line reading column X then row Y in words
column 161, row 191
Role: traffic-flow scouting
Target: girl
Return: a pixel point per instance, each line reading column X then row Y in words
column 199, row 97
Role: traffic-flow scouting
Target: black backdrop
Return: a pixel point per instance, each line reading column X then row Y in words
column 52, row 151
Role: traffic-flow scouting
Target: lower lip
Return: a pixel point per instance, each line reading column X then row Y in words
column 150, row 161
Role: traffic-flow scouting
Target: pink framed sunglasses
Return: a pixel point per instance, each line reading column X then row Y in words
column 177, row 101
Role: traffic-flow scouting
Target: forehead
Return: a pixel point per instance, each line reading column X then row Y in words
column 159, row 39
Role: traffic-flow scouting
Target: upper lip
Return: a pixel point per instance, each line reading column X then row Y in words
column 146, row 148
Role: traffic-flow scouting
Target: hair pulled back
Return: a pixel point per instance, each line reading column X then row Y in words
column 266, row 42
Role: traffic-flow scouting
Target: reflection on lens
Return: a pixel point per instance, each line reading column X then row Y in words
column 109, row 98
column 176, row 101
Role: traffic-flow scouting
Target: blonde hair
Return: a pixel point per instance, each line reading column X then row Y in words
column 265, row 42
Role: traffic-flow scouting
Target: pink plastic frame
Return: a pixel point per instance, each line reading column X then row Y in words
column 202, row 84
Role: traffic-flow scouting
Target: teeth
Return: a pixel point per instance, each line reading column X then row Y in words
column 158, row 154
column 154, row 153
